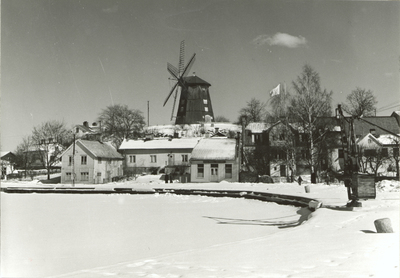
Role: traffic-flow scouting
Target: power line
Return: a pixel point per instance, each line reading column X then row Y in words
column 388, row 107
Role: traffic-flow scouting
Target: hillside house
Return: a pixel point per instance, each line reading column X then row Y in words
column 379, row 155
column 7, row 164
column 159, row 155
column 215, row 159
column 93, row 162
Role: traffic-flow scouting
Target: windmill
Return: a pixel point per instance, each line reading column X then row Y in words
column 194, row 102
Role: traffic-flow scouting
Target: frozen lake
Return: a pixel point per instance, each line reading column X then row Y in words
column 53, row 234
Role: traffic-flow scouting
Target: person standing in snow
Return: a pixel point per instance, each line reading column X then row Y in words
column 299, row 180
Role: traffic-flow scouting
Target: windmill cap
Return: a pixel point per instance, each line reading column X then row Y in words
column 195, row 80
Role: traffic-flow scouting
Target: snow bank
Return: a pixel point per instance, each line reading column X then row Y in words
column 388, row 185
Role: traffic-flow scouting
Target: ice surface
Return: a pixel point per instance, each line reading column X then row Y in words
column 193, row 236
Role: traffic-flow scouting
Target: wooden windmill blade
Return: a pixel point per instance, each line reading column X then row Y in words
column 181, row 64
column 189, row 65
column 170, row 93
column 173, row 71
column 178, row 74
column 173, row 106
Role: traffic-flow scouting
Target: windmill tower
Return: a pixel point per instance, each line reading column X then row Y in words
column 194, row 102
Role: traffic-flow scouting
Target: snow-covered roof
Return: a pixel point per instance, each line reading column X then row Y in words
column 215, row 149
column 5, row 153
column 176, row 143
column 257, row 127
column 388, row 139
column 382, row 140
column 99, row 149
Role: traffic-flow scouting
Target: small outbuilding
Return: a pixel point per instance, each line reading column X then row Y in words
column 214, row 160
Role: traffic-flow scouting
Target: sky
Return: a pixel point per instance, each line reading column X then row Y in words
column 68, row 60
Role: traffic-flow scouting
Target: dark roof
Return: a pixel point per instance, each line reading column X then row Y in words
column 195, row 80
column 381, row 124
column 7, row 155
column 99, row 149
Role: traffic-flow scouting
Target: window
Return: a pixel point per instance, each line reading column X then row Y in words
column 70, row 160
column 153, row 158
column 214, row 169
column 228, row 171
column 184, row 158
column 99, row 160
column 200, row 170
column 68, row 176
column 84, row 176
column 370, row 152
column 132, row 159
column 395, row 152
column 206, row 109
column 83, row 160
column 205, row 101
column 385, row 152
column 99, row 174
column 341, row 154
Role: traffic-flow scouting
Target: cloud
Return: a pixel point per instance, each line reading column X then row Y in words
column 281, row 39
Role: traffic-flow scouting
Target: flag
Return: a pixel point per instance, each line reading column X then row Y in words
column 275, row 91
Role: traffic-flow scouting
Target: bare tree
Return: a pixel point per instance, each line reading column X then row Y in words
column 50, row 139
column 23, row 156
column 373, row 158
column 360, row 102
column 120, row 122
column 255, row 111
column 395, row 154
column 308, row 103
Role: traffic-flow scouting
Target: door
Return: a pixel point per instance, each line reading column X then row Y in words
column 214, row 172
column 283, row 170
column 171, row 159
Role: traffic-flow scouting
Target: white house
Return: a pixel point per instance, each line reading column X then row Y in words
column 382, row 149
column 7, row 164
column 215, row 159
column 93, row 162
column 152, row 156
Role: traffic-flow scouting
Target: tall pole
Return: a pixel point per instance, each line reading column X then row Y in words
column 73, row 163
column 148, row 113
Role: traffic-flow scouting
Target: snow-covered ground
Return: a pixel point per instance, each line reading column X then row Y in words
column 120, row 235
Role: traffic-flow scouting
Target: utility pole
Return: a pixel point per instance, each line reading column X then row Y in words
column 148, row 113
column 73, row 162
